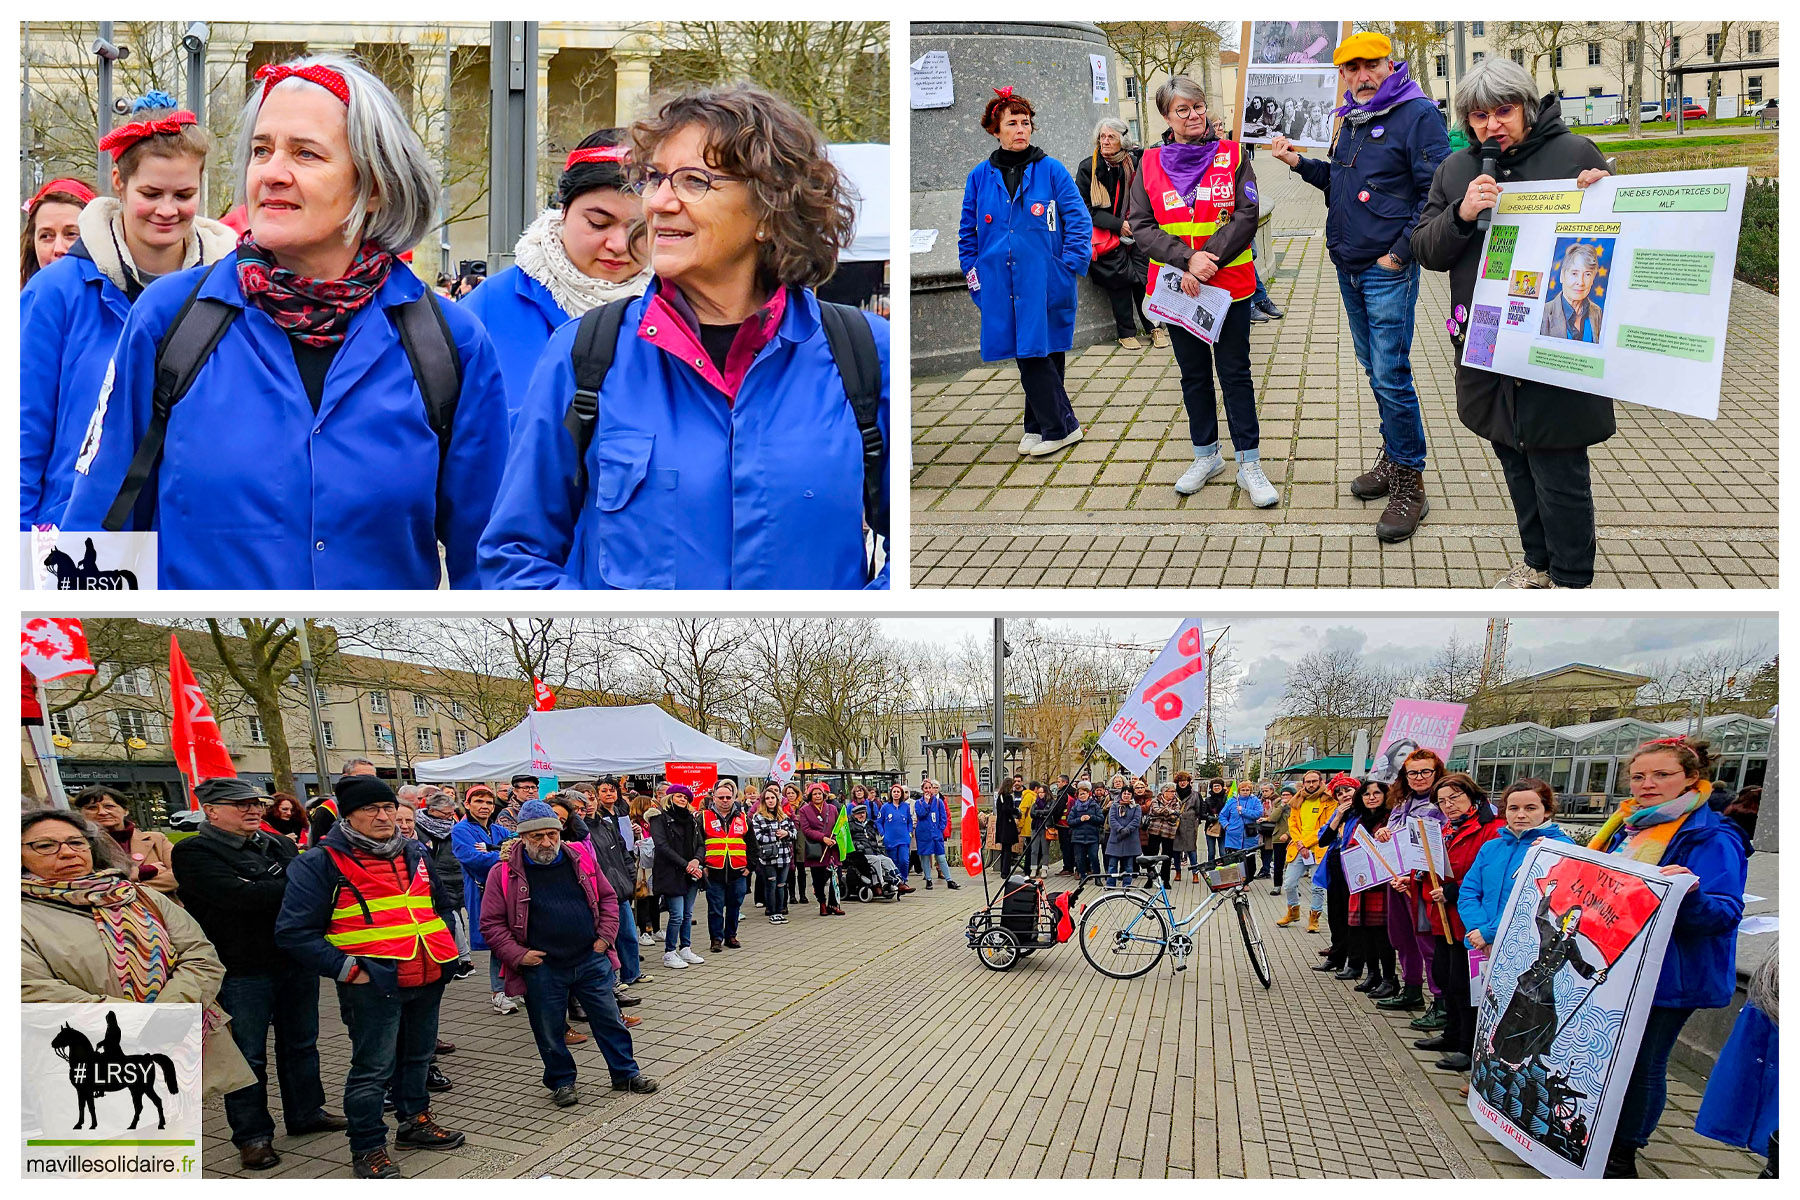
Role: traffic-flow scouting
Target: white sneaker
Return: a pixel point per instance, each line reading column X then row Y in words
column 621, row 989
column 688, row 956
column 644, row 978
column 647, row 938
column 1524, row 575
column 1256, row 485
column 503, row 1004
column 1043, row 448
column 674, row 961
column 1030, row 442
column 1202, row 470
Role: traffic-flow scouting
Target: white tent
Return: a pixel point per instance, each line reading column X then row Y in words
column 585, row 743
column 868, row 165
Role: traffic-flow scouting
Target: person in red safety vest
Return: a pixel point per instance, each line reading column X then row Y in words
column 1193, row 210
column 724, row 825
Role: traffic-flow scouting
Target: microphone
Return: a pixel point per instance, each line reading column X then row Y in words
column 1490, row 158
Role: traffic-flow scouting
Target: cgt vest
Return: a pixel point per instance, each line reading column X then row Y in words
column 372, row 918
column 1214, row 201
column 725, row 841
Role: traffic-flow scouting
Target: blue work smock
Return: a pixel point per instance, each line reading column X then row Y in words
column 258, row 491
column 519, row 315
column 685, row 487
column 70, row 315
column 1026, row 252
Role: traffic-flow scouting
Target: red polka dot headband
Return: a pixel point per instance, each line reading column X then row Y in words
column 599, row 154
column 332, row 81
column 126, row 136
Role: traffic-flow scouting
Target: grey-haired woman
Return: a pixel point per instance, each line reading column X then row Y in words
column 1540, row 432
column 1104, row 180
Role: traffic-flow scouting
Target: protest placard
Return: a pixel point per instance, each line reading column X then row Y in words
column 1362, row 870
column 1201, row 315
column 1415, row 725
column 1295, row 102
column 1621, row 289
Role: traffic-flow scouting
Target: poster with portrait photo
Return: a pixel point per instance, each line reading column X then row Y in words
column 1298, row 103
column 1293, row 43
column 1415, row 725
column 1575, row 304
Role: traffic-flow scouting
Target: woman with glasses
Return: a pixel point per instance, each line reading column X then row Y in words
column 1539, row 431
column 1412, row 797
column 146, row 853
column 726, row 446
column 1469, row 823
column 1193, row 209
column 587, row 249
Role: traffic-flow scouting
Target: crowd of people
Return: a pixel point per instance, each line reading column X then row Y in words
column 536, row 448
column 1397, row 202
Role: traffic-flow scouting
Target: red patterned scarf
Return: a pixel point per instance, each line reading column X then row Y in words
column 315, row 311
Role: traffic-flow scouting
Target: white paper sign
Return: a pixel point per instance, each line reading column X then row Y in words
column 1200, row 315
column 1385, row 857
column 1435, row 851
column 932, row 86
column 1770, row 923
column 1162, row 703
column 922, row 241
column 1478, row 961
column 1362, row 870
column 1621, row 289
column 1097, row 67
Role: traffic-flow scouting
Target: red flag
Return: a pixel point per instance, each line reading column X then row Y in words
column 199, row 750
column 1614, row 904
column 546, row 699
column 971, row 824
column 53, row 647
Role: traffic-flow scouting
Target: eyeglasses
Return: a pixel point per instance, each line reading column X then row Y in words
column 1421, row 771
column 1186, row 111
column 257, row 805
column 1505, row 112
column 689, row 184
column 46, row 847
column 383, row 808
column 1656, row 776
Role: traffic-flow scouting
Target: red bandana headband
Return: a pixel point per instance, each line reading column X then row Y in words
column 126, row 136
column 1004, row 93
column 73, row 187
column 599, row 154
column 332, row 81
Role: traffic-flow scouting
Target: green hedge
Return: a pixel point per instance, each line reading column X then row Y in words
column 1759, row 238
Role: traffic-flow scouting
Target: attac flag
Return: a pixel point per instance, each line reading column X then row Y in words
column 52, row 647
column 546, row 699
column 199, row 750
column 1163, row 702
column 541, row 766
column 781, row 767
column 1614, row 905
column 971, row 821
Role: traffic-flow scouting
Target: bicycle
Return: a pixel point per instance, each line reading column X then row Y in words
column 1125, row 934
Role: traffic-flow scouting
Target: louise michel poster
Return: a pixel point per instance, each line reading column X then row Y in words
column 1574, row 969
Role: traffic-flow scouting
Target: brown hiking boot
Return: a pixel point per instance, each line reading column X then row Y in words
column 1406, row 505
column 1312, row 921
column 1293, row 914
column 1373, row 483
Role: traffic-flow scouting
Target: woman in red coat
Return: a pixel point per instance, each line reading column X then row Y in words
column 1470, row 821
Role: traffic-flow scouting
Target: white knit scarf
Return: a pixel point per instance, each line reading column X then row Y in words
column 540, row 254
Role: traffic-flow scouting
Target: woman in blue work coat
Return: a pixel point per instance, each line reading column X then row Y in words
column 1025, row 237
column 306, row 454
column 71, row 313
column 725, row 452
column 586, row 250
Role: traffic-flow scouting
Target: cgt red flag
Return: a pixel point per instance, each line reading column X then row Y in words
column 52, row 647
column 199, row 750
column 971, row 823
column 546, row 699
column 1614, row 905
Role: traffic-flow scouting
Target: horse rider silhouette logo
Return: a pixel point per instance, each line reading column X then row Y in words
column 87, row 575
column 95, row 1072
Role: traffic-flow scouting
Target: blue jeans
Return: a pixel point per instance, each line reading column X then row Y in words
column 724, row 899
column 391, row 1038
column 943, row 865
column 1260, row 297
column 1642, row 1106
column 288, row 1001
column 902, row 856
column 1381, row 305
column 1298, row 873
column 1087, row 858
column 678, row 930
column 495, row 983
column 630, row 963
column 775, row 887
column 548, row 987
column 1212, row 845
column 1120, row 869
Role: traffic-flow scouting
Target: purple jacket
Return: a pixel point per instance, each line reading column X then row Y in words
column 506, row 909
column 817, row 828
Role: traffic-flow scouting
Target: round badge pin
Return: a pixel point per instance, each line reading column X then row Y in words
column 1363, row 196
column 1377, row 131
column 1453, row 327
column 989, row 218
column 1461, row 313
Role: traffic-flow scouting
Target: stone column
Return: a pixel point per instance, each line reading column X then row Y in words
column 544, row 55
column 631, row 85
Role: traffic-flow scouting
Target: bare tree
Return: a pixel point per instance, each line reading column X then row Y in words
column 698, row 665
column 1169, row 48
column 836, row 72
column 1416, row 43
column 1538, row 40
column 259, row 661
column 1718, row 56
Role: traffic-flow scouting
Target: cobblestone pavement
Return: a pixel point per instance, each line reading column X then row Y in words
column 1681, row 502
column 876, row 1045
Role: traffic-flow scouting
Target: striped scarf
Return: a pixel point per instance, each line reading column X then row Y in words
column 1647, row 832
column 132, row 930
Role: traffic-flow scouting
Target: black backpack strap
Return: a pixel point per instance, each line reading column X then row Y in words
column 186, row 345
column 596, row 340
column 436, row 364
column 859, row 363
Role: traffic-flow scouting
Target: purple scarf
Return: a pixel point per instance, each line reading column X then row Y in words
column 1397, row 87
column 1185, row 163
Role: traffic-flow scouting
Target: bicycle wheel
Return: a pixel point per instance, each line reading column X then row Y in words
column 1123, row 936
column 1253, row 945
column 997, row 949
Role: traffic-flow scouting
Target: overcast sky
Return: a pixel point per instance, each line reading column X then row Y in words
column 1266, row 645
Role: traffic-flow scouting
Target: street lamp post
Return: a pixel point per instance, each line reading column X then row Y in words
column 310, row 677
column 999, row 700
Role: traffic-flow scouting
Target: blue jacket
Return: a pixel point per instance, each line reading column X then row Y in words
column 686, row 489
column 896, row 824
column 1391, row 157
column 312, row 884
column 929, row 819
column 1481, row 897
column 1026, row 253
column 1700, row 967
column 70, row 315
column 519, row 315
column 465, row 837
column 258, row 491
column 1122, row 824
column 1083, row 832
column 1238, row 811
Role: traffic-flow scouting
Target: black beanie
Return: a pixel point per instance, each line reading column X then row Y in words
column 356, row 791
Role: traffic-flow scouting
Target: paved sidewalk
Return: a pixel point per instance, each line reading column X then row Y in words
column 876, row 1045
column 1681, row 502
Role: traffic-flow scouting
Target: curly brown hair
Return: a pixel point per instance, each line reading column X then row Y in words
column 795, row 188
